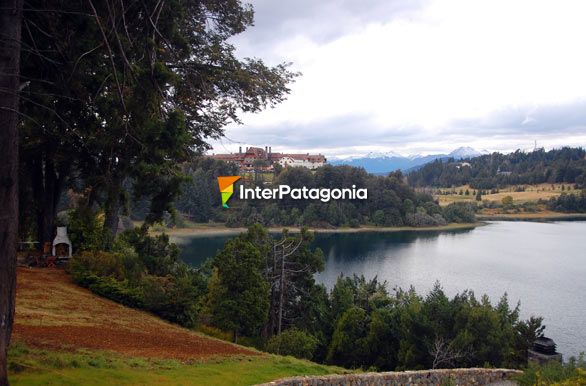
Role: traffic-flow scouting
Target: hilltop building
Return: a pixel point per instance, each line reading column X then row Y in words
column 255, row 158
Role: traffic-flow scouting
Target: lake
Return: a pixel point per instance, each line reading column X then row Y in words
column 542, row 265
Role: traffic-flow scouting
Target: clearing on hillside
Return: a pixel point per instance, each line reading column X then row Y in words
column 54, row 313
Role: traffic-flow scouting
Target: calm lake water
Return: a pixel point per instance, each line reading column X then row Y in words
column 542, row 265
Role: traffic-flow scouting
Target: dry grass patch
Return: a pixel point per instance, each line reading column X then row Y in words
column 52, row 312
column 531, row 193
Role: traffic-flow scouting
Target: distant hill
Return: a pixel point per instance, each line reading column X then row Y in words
column 383, row 163
column 566, row 165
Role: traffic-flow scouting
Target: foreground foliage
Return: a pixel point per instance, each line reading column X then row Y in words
column 143, row 271
column 572, row 373
column 263, row 287
column 361, row 324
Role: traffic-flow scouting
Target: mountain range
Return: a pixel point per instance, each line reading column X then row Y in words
column 382, row 163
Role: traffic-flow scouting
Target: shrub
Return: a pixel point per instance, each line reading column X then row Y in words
column 354, row 223
column 98, row 263
column 459, row 212
column 507, row 201
column 110, row 288
column 142, row 271
column 232, row 221
column 293, row 342
column 85, row 229
column 555, row 373
column 156, row 252
column 175, row 298
column 423, row 220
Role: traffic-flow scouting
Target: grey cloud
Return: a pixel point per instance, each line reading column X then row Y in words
column 319, row 20
column 561, row 119
column 335, row 133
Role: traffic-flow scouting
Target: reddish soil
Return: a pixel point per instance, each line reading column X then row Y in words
column 54, row 313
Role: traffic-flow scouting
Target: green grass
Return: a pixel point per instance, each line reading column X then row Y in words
column 41, row 367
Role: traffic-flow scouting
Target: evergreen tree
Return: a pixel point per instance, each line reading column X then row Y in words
column 238, row 291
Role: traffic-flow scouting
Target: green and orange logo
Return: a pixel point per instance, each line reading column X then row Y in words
column 226, row 185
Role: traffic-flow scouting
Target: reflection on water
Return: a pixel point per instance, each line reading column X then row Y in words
column 543, row 265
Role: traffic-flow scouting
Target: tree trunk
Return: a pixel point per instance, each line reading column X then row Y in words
column 281, row 295
column 10, row 25
column 48, row 182
column 271, row 325
column 112, row 210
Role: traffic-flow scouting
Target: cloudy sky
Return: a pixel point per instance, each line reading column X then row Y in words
column 419, row 77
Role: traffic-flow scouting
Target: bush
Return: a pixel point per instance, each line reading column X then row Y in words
column 143, row 272
column 507, row 201
column 98, row 263
column 172, row 298
column 232, row 221
column 423, row 220
column 110, row 288
column 156, row 252
column 460, row 212
column 572, row 373
column 354, row 223
column 85, row 229
column 293, row 342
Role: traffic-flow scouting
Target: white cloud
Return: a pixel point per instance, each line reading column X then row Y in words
column 452, row 60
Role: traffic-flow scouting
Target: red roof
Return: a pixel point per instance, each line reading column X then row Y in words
column 258, row 153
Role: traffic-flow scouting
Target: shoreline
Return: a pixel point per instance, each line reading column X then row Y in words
column 536, row 217
column 221, row 230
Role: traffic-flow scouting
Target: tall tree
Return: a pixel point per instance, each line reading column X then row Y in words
column 130, row 91
column 10, row 23
column 238, row 294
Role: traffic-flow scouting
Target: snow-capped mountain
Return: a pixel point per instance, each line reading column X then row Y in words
column 466, row 152
column 385, row 162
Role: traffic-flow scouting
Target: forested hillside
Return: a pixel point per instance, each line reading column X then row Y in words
column 566, row 165
column 391, row 202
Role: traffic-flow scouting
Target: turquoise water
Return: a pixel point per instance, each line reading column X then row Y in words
column 542, row 265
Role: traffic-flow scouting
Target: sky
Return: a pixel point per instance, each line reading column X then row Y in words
column 418, row 76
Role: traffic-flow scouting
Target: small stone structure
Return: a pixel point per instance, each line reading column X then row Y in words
column 458, row 377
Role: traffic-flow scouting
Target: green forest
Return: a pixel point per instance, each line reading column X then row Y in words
column 261, row 289
column 391, row 202
column 566, row 165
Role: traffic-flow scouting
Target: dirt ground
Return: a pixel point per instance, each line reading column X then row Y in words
column 52, row 312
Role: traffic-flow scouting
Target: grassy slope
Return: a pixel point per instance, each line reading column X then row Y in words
column 42, row 367
column 65, row 335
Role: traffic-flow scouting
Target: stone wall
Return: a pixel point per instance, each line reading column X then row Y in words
column 458, row 377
